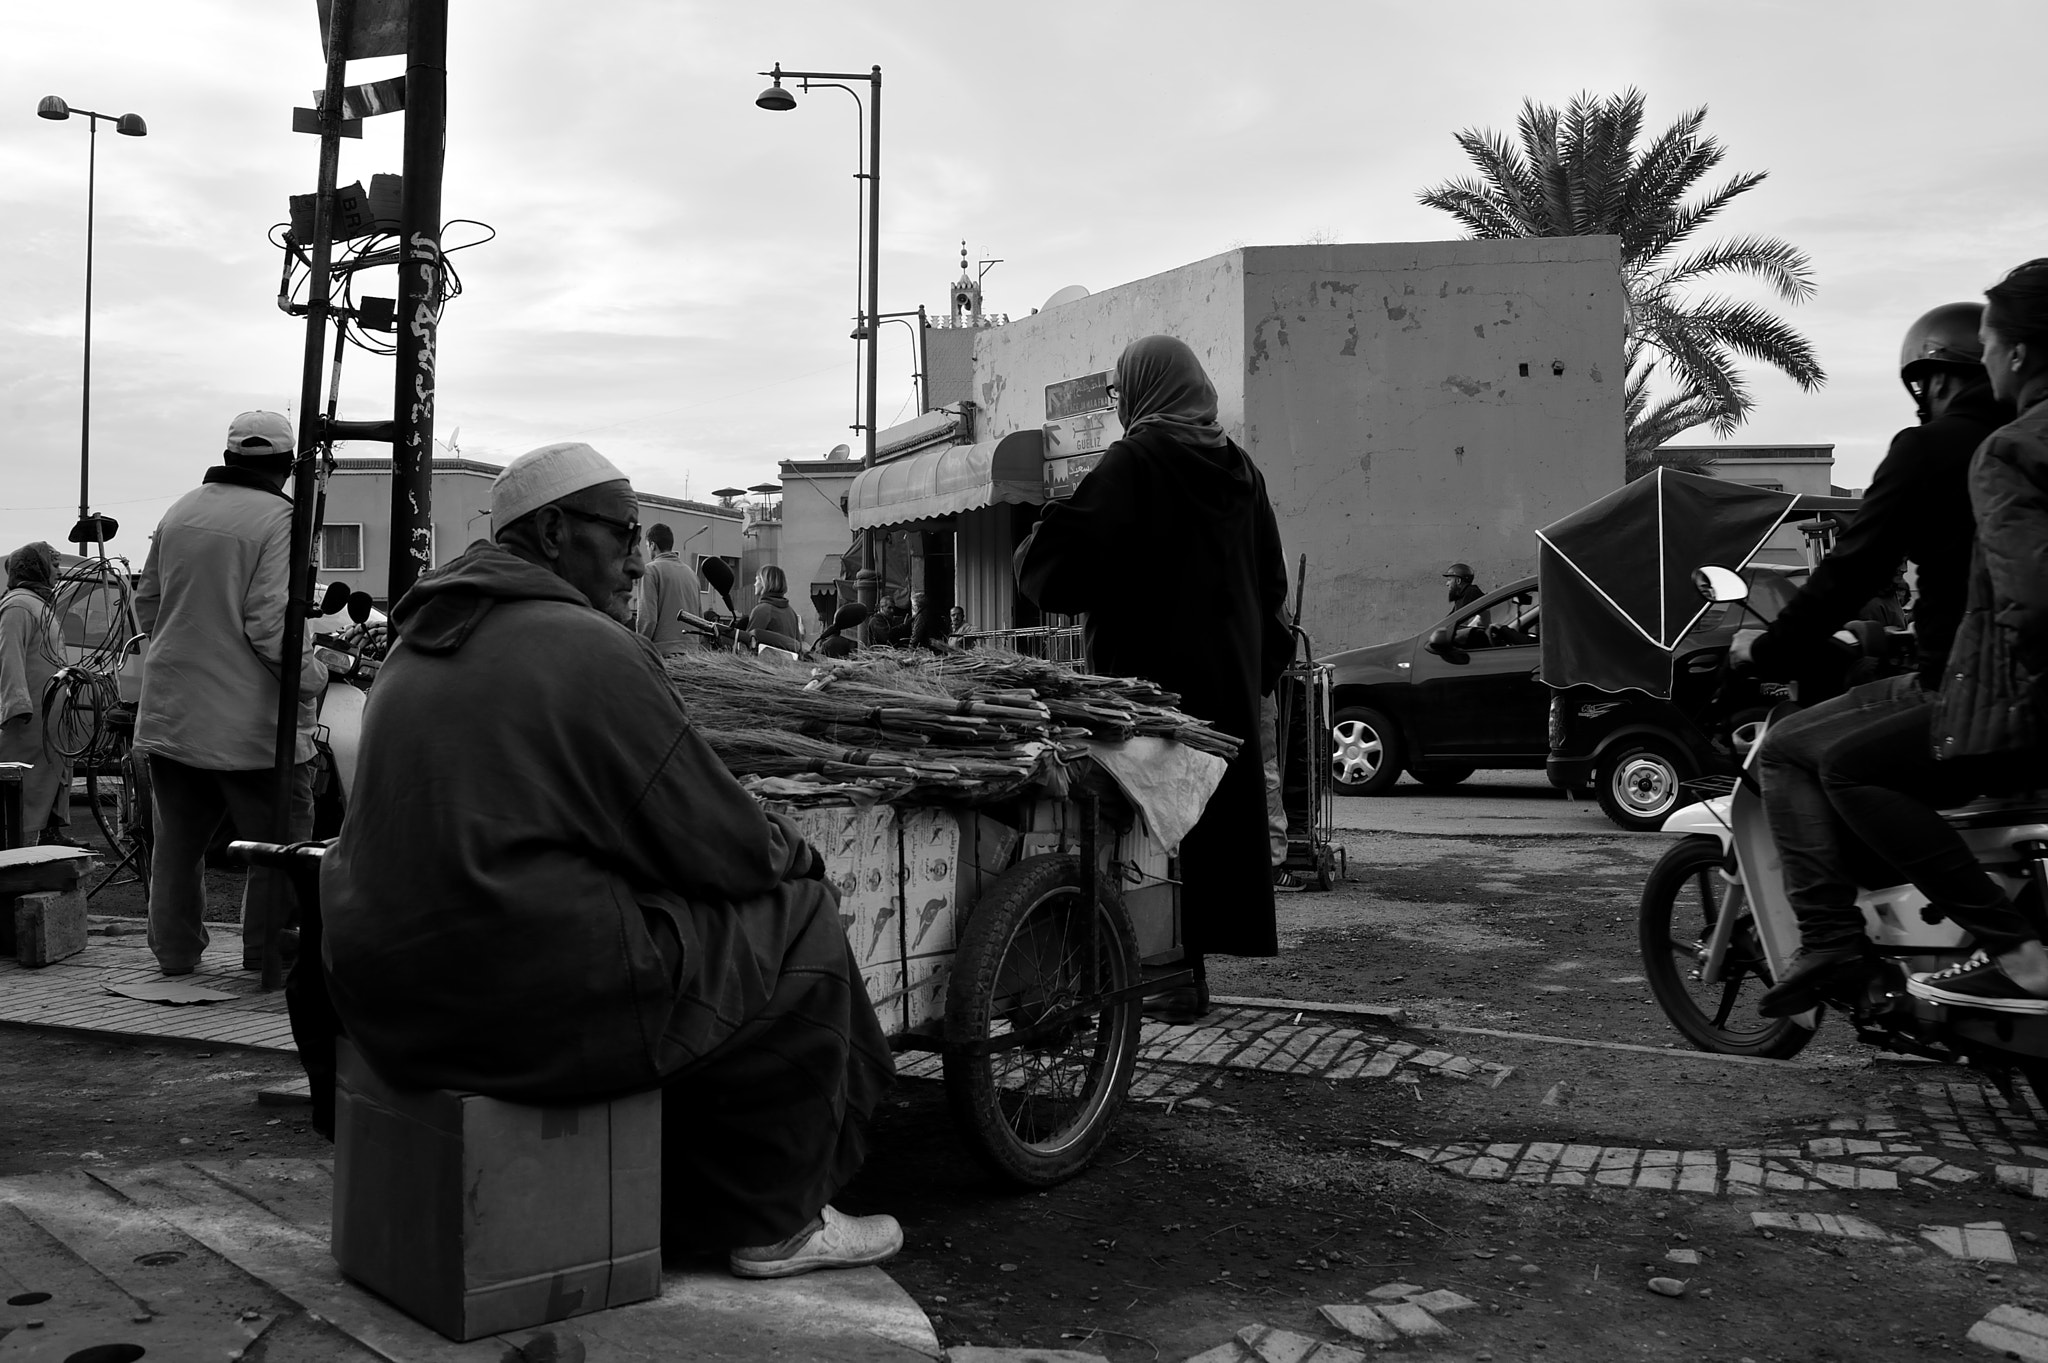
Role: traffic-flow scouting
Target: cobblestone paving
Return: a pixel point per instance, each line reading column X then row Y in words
column 1176, row 1062
column 1941, row 1144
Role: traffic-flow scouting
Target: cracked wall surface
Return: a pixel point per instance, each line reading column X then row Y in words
column 1381, row 390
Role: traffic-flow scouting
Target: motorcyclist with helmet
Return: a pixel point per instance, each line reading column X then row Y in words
column 1987, row 730
column 1916, row 509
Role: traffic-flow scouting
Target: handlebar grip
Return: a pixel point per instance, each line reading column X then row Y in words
column 273, row 853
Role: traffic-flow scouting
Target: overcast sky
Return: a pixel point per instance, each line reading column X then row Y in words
column 673, row 275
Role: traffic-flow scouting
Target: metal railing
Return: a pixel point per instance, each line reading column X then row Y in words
column 1054, row 643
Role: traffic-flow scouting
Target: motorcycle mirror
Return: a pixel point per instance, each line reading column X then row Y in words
column 719, row 574
column 1720, row 584
column 849, row 615
column 359, row 606
column 334, row 598
column 1523, row 599
column 1440, row 643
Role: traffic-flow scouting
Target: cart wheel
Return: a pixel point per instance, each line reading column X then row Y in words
column 1036, row 1113
column 1325, row 859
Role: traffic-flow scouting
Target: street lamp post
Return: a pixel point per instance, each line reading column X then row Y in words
column 89, row 527
column 780, row 100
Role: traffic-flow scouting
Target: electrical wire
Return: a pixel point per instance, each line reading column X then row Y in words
column 356, row 255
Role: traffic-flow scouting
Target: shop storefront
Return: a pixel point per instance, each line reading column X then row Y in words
column 956, row 513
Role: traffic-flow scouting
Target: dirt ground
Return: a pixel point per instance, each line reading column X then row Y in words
column 1196, row 1222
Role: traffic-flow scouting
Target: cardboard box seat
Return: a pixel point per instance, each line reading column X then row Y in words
column 476, row 1216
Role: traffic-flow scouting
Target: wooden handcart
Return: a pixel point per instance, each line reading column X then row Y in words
column 1006, row 945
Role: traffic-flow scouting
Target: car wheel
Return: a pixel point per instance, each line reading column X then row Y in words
column 1441, row 776
column 1638, row 782
column 1365, row 755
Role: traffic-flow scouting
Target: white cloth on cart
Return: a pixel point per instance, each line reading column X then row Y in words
column 1168, row 783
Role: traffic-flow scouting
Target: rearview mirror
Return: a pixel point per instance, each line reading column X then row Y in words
column 1719, row 584
column 1524, row 599
column 334, row 598
column 1439, row 643
column 359, row 605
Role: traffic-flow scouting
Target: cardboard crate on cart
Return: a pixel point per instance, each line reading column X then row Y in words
column 904, row 876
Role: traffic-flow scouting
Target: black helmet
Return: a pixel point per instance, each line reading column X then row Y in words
column 1946, row 336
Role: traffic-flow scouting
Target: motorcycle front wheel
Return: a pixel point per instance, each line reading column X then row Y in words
column 1683, row 899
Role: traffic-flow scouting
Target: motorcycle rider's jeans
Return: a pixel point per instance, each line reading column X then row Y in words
column 1889, row 788
column 1811, row 837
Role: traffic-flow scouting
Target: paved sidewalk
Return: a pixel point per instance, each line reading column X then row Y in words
column 202, row 1260
column 73, row 994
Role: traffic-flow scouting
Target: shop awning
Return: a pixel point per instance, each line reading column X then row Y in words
column 950, row 479
column 831, row 570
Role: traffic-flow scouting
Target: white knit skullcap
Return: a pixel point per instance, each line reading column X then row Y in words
column 545, row 475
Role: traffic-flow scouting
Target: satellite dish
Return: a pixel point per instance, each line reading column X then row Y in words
column 839, row 452
column 1066, row 295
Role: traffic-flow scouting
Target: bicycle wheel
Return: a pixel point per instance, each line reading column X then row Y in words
column 119, row 796
column 73, row 713
column 1036, row 1113
column 1683, row 899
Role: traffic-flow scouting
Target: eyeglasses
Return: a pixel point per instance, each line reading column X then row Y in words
column 631, row 529
column 1111, row 391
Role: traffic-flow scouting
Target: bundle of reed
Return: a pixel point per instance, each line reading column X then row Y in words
column 960, row 773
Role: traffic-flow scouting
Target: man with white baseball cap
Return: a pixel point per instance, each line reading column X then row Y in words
column 549, row 889
column 212, row 600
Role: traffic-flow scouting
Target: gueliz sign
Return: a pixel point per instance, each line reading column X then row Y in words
column 1080, row 423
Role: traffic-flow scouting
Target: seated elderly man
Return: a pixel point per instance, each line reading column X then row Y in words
column 549, row 890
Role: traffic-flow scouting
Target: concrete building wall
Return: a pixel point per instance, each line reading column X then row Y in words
column 359, row 494
column 1408, row 404
column 813, row 520
column 1202, row 303
column 1415, row 403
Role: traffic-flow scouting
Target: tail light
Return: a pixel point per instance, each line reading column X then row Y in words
column 1556, row 728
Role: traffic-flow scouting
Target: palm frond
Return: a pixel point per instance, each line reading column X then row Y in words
column 1472, row 204
column 1786, row 268
column 1749, row 330
column 1687, row 219
column 1509, row 175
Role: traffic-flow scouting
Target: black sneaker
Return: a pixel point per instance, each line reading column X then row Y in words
column 1976, row 983
column 1286, row 882
column 1816, row 977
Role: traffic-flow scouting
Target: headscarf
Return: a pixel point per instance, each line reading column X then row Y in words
column 1161, row 384
column 34, row 566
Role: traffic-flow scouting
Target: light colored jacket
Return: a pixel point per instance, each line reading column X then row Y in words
column 212, row 600
column 31, row 651
column 665, row 588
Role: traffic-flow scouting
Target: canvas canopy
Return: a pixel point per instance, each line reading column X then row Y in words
column 1616, row 577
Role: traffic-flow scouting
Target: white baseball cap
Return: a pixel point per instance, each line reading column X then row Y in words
column 259, row 435
column 545, row 475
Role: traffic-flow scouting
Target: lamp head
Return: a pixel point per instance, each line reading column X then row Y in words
column 774, row 97
column 131, row 125
column 53, row 106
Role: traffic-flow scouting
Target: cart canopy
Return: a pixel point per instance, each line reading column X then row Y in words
column 1615, row 577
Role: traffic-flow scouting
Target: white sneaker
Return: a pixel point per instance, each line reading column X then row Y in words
column 842, row 1242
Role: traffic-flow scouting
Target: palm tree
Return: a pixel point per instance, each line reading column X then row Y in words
column 1579, row 172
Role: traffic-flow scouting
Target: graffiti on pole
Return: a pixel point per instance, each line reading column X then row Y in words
column 423, row 266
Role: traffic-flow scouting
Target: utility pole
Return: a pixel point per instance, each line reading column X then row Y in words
column 312, row 435
column 419, row 296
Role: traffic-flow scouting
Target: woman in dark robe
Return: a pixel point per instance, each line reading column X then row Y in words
column 1169, row 548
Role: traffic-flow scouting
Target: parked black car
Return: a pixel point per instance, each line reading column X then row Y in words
column 1464, row 695
column 1402, row 707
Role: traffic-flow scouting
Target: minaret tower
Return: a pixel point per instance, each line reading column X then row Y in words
column 966, row 295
